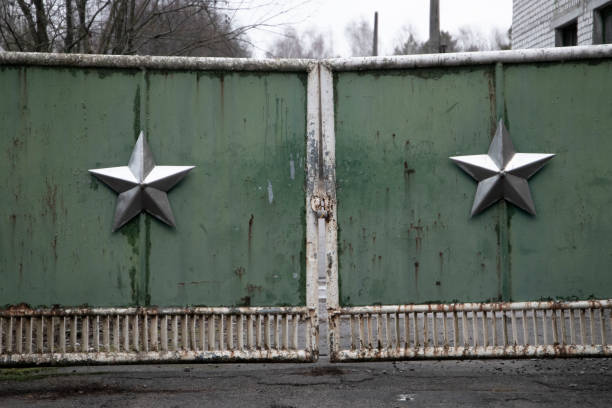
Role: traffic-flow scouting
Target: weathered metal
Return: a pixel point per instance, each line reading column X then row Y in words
column 522, row 56
column 502, row 173
column 402, row 240
column 112, row 335
column 142, row 185
column 404, row 237
column 478, row 307
column 23, row 311
column 154, row 62
column 328, row 191
column 303, row 65
column 241, row 250
column 243, row 242
column 474, row 330
column 394, row 248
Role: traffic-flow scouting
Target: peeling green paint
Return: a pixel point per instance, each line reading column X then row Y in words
column 131, row 231
column 147, row 278
column 136, row 110
column 134, row 285
column 388, row 225
column 71, row 120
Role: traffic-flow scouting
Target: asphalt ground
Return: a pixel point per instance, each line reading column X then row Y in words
column 447, row 383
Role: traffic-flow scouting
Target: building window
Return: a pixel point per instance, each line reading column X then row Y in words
column 567, row 35
column 602, row 25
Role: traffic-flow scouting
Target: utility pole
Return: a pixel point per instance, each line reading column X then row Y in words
column 375, row 40
column 434, row 25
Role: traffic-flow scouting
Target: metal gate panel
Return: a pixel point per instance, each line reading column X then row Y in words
column 402, row 204
column 49, row 236
column 397, row 120
column 248, row 197
column 229, row 283
column 171, row 309
column 569, row 110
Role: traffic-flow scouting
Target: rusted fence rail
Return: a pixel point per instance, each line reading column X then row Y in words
column 103, row 335
column 469, row 330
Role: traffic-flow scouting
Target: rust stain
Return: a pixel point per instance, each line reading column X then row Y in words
column 253, row 288
column 240, row 271
column 251, row 228
column 12, row 152
column 407, row 171
column 183, row 284
column 50, row 200
column 222, row 84
column 491, row 83
column 21, row 307
column 250, row 240
column 416, row 277
column 54, row 246
column 418, row 240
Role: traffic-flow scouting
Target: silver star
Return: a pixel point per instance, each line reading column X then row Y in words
column 142, row 185
column 502, row 173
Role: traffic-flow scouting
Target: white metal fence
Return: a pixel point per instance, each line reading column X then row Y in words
column 148, row 334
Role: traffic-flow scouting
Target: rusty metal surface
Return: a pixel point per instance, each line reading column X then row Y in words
column 405, row 232
column 19, row 310
column 243, row 241
column 285, row 356
column 477, row 307
column 477, row 352
column 153, row 62
column 113, row 335
column 471, row 58
column 474, row 330
column 337, row 64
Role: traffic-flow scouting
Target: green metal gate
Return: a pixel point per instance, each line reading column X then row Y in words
column 228, row 283
column 417, row 276
column 280, row 144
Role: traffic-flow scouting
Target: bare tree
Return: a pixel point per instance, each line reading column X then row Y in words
column 310, row 44
column 157, row 27
column 469, row 39
column 359, row 34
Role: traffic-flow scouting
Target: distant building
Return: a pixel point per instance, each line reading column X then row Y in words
column 559, row 23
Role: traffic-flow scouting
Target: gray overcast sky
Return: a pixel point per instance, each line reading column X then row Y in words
column 332, row 16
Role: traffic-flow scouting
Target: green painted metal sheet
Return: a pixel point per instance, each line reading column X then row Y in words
column 232, row 246
column 403, row 208
column 405, row 232
column 564, row 251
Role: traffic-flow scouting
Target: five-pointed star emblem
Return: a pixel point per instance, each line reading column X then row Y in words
column 142, row 185
column 502, row 173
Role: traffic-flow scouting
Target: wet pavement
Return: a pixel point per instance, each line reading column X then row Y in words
column 448, row 383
